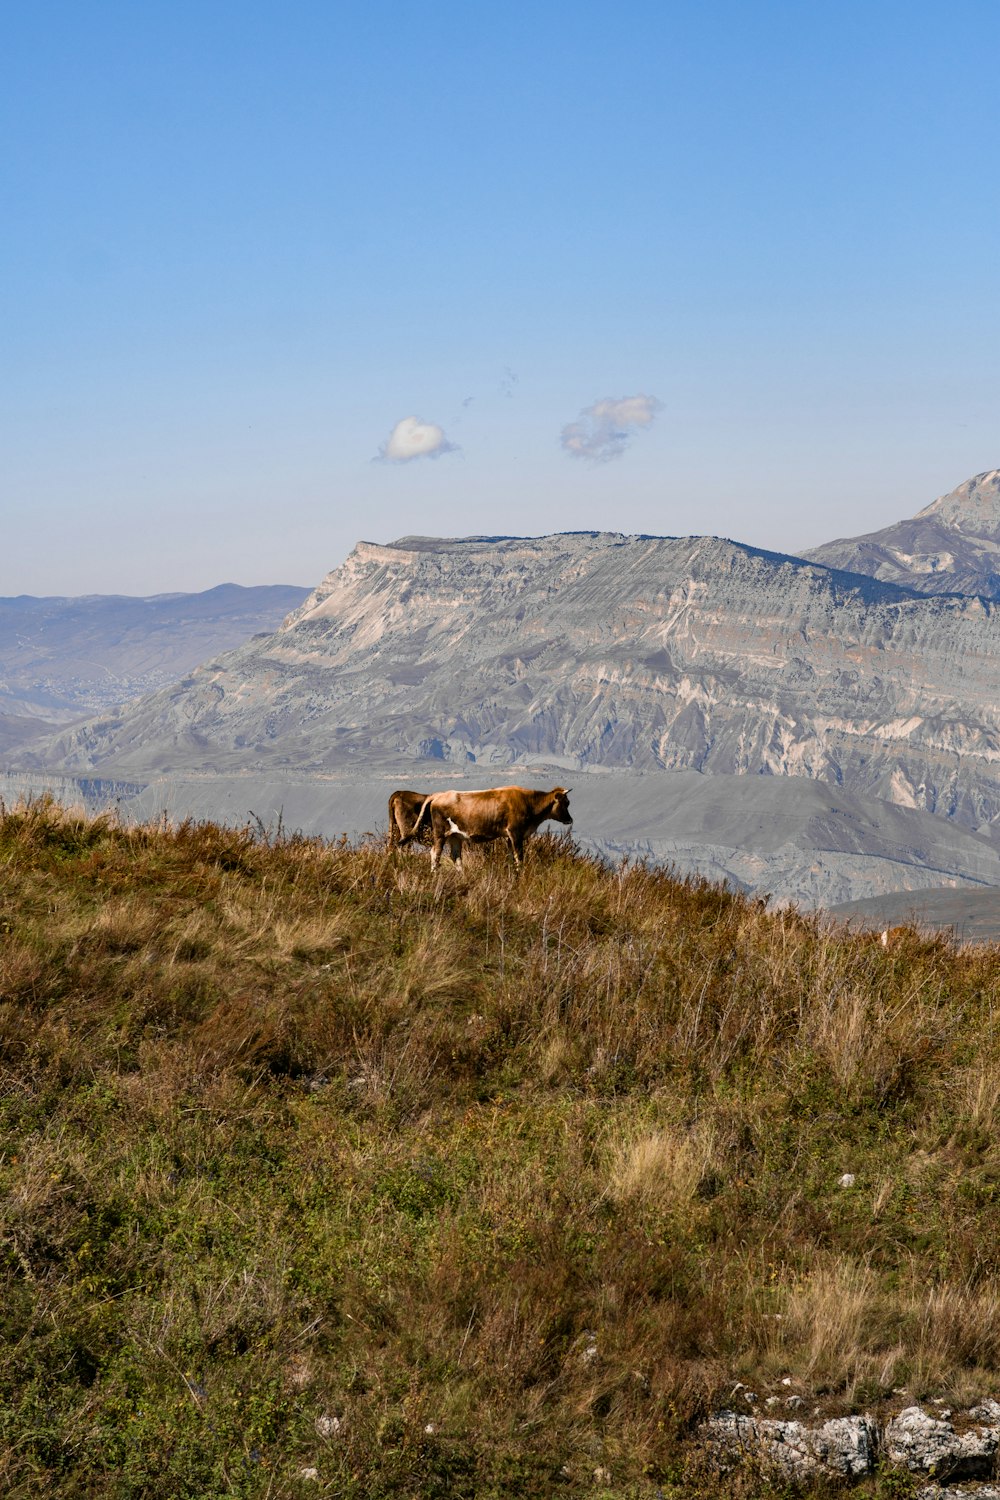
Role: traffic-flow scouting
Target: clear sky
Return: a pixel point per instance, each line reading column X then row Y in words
column 243, row 242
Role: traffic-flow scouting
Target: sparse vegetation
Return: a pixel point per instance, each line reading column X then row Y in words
column 320, row 1175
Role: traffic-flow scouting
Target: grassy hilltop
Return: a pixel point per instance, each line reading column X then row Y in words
column 310, row 1162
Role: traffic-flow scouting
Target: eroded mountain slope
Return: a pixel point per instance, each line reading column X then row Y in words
column 951, row 546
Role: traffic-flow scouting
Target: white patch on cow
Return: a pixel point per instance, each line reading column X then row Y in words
column 454, row 828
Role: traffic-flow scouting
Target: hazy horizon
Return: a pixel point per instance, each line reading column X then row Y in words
column 276, row 281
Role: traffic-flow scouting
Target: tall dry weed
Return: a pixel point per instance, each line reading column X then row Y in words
column 832, row 1327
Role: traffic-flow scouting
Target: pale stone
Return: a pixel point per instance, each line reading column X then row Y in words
column 930, row 1445
column 844, row 1445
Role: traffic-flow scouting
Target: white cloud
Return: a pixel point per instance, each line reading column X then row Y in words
column 411, row 438
column 603, row 430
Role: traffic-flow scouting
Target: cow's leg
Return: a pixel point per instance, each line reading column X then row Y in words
column 516, row 842
column 455, row 842
column 436, row 848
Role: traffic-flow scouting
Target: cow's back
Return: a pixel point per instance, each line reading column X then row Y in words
column 480, row 815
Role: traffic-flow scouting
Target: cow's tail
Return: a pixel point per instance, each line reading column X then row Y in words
column 422, row 816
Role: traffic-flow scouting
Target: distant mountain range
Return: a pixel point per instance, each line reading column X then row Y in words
column 952, row 546
column 594, row 650
column 63, row 658
column 597, row 652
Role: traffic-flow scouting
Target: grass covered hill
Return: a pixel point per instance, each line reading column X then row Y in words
column 322, row 1176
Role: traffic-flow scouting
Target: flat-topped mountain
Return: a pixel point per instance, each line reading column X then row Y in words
column 64, row 658
column 951, row 546
column 593, row 650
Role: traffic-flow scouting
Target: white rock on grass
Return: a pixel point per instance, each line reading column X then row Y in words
column 328, row 1427
column 844, row 1446
column 930, row 1445
column 956, row 1492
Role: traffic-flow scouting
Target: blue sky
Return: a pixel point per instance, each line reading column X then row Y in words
column 243, row 241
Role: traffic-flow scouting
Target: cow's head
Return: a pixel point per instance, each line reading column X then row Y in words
column 559, row 802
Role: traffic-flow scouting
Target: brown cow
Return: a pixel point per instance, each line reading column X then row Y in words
column 404, row 810
column 510, row 812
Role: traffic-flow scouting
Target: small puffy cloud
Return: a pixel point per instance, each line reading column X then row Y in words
column 411, row 438
column 603, row 430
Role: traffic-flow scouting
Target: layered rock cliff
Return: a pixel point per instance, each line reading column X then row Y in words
column 595, row 650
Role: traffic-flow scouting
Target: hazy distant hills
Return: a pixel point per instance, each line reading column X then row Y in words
column 951, row 546
column 63, row 658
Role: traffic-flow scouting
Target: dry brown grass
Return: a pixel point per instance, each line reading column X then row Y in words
column 663, row 1167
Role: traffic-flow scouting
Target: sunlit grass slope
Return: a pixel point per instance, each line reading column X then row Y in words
column 322, row 1176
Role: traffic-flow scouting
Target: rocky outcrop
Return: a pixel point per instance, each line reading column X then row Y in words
column 958, row 1492
column 845, row 1446
column 930, row 1445
column 594, row 650
column 850, row 1447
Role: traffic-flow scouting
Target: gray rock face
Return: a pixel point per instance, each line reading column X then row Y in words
column 850, row 1446
column 958, row 1492
column 595, row 650
column 971, row 913
column 846, row 1446
column 951, row 546
column 929, row 1445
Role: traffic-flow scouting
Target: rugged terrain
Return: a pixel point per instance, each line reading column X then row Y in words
column 807, row 698
column 62, row 659
column 951, row 546
column 625, row 653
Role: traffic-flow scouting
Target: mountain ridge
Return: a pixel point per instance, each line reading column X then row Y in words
column 641, row 653
column 952, row 545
